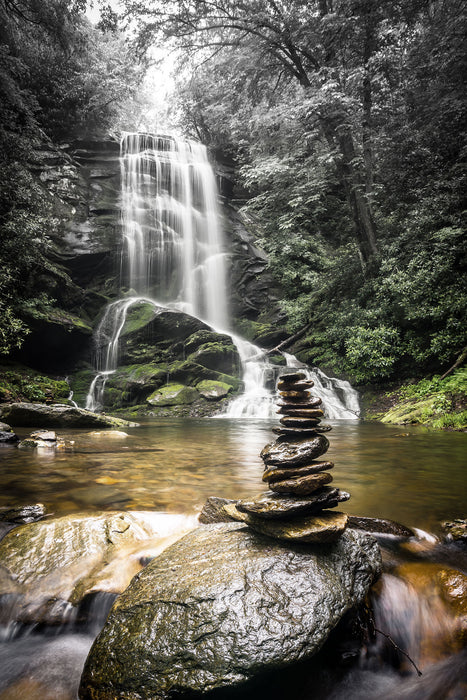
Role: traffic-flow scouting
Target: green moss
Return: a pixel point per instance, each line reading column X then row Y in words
column 60, row 317
column 79, row 384
column 138, row 316
column 173, row 395
column 23, row 384
column 277, row 359
column 212, row 390
column 432, row 402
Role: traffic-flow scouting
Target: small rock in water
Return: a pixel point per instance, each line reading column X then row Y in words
column 293, row 454
column 456, row 530
column 47, row 435
column 23, row 514
column 302, row 485
column 7, row 436
column 278, row 473
column 312, row 402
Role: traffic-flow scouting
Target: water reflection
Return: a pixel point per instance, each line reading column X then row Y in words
column 407, row 474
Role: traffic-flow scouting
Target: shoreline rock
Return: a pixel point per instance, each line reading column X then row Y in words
column 32, row 415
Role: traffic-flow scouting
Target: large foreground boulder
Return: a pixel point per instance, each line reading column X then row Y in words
column 222, row 605
column 33, row 415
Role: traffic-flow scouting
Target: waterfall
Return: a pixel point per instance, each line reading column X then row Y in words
column 172, row 242
column 173, row 256
column 173, row 247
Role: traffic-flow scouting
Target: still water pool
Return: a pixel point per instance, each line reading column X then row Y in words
column 412, row 475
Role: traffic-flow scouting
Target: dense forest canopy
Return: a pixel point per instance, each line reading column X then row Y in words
column 344, row 120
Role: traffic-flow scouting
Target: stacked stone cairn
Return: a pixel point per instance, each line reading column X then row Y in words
column 296, row 506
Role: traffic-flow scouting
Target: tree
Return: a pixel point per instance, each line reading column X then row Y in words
column 300, row 42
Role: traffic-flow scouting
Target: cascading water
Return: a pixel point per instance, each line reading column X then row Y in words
column 173, row 256
column 173, row 247
column 260, row 378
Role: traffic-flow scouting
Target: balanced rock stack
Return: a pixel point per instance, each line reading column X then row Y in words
column 295, row 507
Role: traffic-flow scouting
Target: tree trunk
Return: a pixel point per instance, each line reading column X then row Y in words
column 340, row 140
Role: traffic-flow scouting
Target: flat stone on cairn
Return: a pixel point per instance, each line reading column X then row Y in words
column 294, row 509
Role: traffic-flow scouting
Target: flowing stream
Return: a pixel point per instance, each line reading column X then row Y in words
column 174, row 256
column 169, row 467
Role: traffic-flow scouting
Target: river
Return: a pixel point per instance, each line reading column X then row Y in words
column 407, row 474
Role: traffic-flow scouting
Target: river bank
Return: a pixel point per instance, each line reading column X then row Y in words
column 432, row 402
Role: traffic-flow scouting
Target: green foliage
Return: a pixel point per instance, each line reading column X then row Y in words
column 371, row 352
column 26, row 385
column 438, row 402
column 454, row 384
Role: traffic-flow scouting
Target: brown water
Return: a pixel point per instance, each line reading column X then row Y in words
column 411, row 475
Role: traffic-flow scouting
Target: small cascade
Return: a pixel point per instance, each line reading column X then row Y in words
column 106, row 341
column 340, row 398
column 260, row 379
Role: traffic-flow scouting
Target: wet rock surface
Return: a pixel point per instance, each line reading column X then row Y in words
column 275, row 506
column 47, row 567
column 295, row 453
column 323, row 527
column 380, row 526
column 220, row 606
column 57, row 416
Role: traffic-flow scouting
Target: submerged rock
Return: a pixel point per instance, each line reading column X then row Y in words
column 57, row 416
column 8, row 437
column 380, row 526
column 222, row 605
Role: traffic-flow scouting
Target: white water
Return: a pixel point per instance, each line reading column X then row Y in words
column 173, row 251
column 340, row 400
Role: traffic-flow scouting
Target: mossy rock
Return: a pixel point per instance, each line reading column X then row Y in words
column 173, row 395
column 138, row 316
column 277, row 359
column 221, row 356
column 411, row 412
column 191, row 373
column 22, row 384
column 205, row 336
column 213, row 391
column 80, row 383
